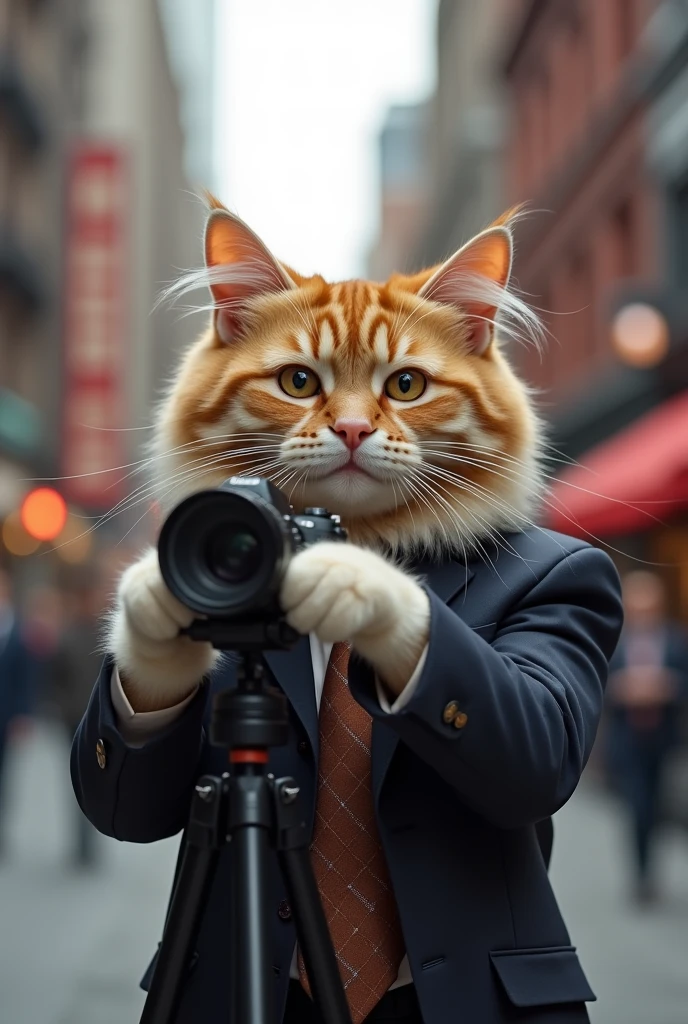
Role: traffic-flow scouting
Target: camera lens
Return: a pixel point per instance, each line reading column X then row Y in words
column 223, row 552
column 233, row 556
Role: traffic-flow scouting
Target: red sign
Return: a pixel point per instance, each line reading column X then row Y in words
column 96, row 314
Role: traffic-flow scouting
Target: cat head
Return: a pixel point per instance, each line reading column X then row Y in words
column 391, row 404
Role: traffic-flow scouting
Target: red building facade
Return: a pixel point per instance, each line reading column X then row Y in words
column 577, row 156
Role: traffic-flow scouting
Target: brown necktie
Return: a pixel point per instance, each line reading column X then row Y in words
column 347, row 856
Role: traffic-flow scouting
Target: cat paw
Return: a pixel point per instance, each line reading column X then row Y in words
column 342, row 592
column 158, row 667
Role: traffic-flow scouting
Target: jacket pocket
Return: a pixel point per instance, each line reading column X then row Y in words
column 542, row 976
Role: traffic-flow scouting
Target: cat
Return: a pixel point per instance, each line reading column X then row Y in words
column 392, row 404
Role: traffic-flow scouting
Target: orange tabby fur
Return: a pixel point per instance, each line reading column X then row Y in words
column 225, row 413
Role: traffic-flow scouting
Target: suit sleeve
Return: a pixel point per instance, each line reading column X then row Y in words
column 532, row 697
column 143, row 793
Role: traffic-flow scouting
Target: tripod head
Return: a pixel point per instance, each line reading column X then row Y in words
column 253, row 716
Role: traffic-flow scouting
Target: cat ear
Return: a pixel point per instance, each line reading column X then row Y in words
column 240, row 267
column 474, row 280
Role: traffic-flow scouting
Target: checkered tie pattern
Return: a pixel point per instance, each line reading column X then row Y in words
column 346, row 852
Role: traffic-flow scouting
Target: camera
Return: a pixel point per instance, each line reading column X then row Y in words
column 224, row 552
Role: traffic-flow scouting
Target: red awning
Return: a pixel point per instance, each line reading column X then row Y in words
column 633, row 482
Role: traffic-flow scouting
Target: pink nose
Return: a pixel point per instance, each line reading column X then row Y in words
column 353, row 432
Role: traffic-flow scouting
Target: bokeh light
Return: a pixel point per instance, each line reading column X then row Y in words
column 640, row 335
column 43, row 513
column 75, row 541
column 15, row 538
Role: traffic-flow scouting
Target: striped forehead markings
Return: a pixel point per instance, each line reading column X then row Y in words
column 381, row 343
column 327, row 340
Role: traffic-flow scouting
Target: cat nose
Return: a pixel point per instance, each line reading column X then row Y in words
column 353, row 432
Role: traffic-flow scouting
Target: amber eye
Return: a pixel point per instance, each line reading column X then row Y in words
column 405, row 386
column 299, row 382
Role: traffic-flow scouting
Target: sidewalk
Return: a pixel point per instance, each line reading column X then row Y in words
column 73, row 947
column 636, row 960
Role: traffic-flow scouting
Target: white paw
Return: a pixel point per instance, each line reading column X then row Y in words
column 342, row 592
column 147, row 603
column 158, row 666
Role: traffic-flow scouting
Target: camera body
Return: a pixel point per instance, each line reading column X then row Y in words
column 224, row 552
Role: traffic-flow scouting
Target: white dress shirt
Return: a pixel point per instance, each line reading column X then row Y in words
column 136, row 728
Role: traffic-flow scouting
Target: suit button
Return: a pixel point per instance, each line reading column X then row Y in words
column 450, row 712
column 460, row 720
column 100, row 754
column 284, row 911
column 303, row 748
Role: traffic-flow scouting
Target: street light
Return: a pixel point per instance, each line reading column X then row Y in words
column 640, row 335
column 43, row 513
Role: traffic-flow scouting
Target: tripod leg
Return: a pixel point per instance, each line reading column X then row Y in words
column 203, row 841
column 311, row 925
column 250, row 828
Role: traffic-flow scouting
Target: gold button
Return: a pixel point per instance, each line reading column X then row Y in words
column 450, row 712
column 100, row 754
column 460, row 720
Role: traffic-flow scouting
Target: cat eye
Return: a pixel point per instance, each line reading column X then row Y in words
column 405, row 386
column 299, row 382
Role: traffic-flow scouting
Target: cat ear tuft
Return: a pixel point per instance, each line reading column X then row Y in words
column 239, row 268
column 474, row 280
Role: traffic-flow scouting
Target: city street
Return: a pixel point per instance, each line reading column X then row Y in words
column 73, row 947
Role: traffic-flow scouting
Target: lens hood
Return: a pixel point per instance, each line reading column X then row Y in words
column 222, row 552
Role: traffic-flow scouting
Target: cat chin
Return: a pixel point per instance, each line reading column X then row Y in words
column 348, row 494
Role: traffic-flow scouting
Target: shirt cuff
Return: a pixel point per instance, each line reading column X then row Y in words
column 137, row 728
column 408, row 691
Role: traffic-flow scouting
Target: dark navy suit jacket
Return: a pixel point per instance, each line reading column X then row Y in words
column 522, row 646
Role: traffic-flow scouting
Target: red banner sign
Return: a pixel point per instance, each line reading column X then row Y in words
column 96, row 314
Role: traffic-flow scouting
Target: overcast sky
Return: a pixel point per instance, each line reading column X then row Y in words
column 303, row 88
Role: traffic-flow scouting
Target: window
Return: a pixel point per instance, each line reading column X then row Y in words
column 625, row 29
column 680, row 231
column 624, row 240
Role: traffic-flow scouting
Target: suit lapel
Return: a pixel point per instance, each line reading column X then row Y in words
column 447, row 580
column 293, row 672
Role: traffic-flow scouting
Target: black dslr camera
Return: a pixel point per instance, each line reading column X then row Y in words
column 223, row 553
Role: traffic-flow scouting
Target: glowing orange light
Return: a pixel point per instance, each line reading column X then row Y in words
column 75, row 541
column 15, row 537
column 43, row 513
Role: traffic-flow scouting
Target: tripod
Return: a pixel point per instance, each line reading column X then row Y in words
column 254, row 812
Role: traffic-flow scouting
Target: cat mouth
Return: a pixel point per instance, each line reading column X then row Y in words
column 351, row 468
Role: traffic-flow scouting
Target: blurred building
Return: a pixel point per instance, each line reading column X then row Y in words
column 464, row 187
column 132, row 110
column 578, row 109
column 578, row 114
column 598, row 119
column 403, row 174
column 191, row 33
column 441, row 165
column 41, row 100
column 96, row 216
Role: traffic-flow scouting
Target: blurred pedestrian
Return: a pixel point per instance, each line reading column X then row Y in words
column 648, row 685
column 76, row 665
column 15, row 676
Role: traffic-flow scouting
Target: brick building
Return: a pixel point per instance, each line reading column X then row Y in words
column 95, row 218
column 597, row 96
column 41, row 97
column 576, row 75
column 579, row 108
column 403, row 174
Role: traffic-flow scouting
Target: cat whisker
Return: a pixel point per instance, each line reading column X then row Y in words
column 434, row 489
column 488, row 529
